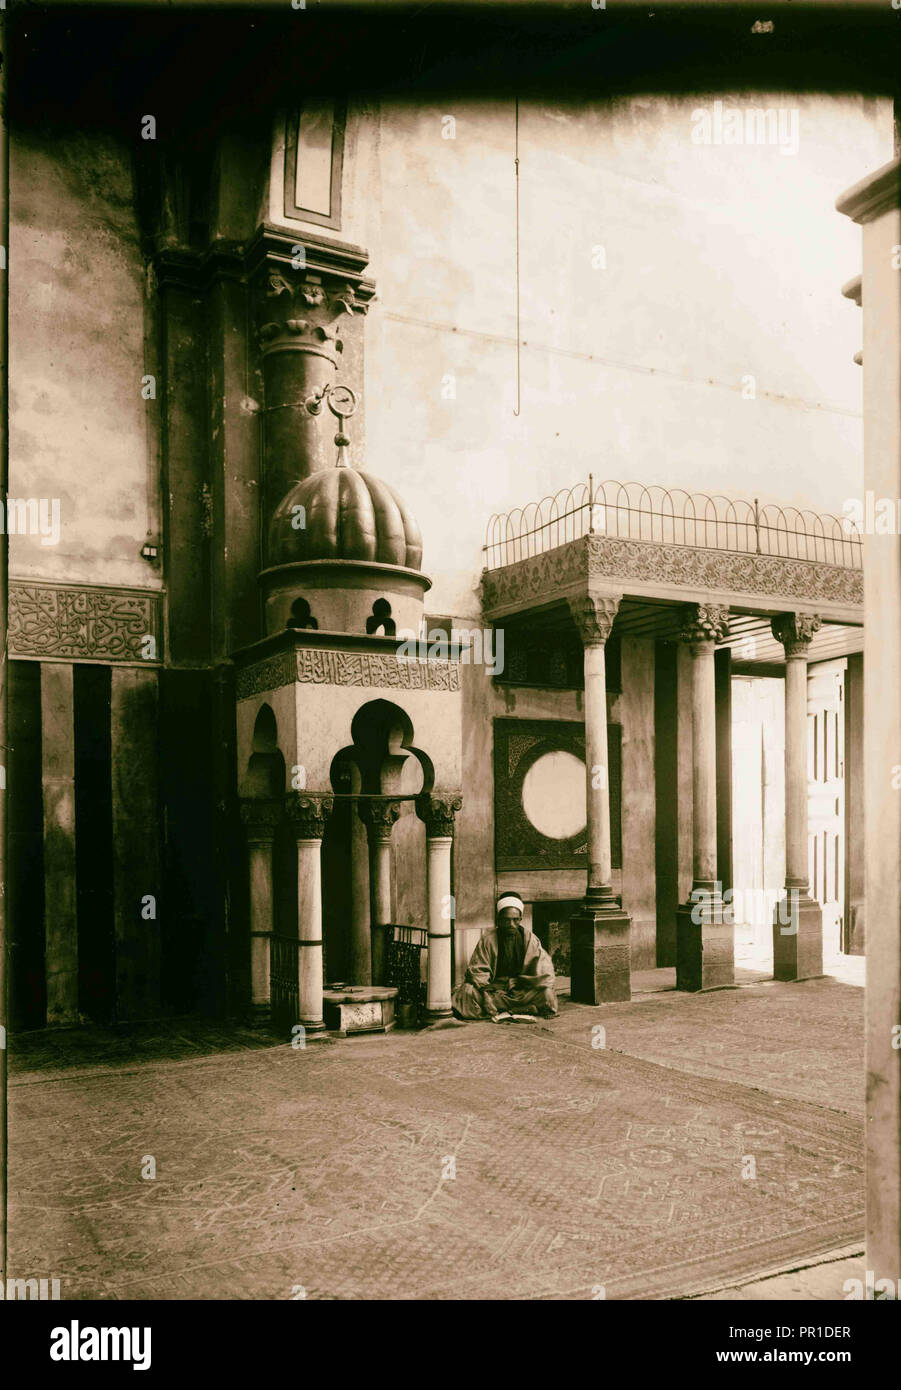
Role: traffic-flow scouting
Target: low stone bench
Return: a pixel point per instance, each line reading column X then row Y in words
column 358, row 1009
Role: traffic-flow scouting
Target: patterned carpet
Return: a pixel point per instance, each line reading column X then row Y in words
column 799, row 1041
column 480, row 1162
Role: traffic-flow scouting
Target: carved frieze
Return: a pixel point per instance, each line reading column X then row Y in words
column 269, row 674
column 606, row 558
column 84, row 623
column 327, row 667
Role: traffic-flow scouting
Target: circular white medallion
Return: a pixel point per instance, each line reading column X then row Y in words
column 553, row 795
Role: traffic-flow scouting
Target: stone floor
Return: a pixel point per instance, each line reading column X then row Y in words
column 711, row 1148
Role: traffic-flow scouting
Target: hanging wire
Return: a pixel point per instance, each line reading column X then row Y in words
column 516, row 186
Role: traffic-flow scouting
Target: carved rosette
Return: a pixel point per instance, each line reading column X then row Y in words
column 704, row 622
column 438, row 811
column 261, row 820
column 300, row 313
column 794, row 631
column 379, row 818
column 308, row 814
column 593, row 615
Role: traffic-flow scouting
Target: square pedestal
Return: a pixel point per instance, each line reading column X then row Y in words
column 798, row 940
column 600, row 956
column 705, row 947
column 359, row 1009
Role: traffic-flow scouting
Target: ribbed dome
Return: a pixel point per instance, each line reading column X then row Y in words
column 349, row 516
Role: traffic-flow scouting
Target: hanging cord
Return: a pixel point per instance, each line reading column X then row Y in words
column 516, row 186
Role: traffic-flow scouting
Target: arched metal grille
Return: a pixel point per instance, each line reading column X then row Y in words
column 634, row 511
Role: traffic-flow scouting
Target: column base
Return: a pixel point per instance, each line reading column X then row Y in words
column 434, row 1014
column 797, row 939
column 260, row 1015
column 705, row 946
column 311, row 1029
column 600, row 955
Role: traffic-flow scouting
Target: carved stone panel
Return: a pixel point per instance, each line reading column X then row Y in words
column 84, row 623
column 328, row 667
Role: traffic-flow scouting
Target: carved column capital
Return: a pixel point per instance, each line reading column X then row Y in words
column 379, row 818
column 794, row 631
column 438, row 811
column 593, row 615
column 261, row 820
column 704, row 622
column 300, row 312
column 308, row 814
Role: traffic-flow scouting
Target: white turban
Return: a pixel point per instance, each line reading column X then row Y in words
column 510, row 900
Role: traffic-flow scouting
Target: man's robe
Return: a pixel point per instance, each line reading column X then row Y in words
column 485, row 993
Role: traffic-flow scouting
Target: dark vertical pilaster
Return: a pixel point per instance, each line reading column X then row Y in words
column 94, row 843
column 137, row 896
column 58, row 785
column 26, row 847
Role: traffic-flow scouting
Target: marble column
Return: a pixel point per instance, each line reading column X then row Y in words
column 437, row 810
column 798, row 918
column 360, row 903
column 261, row 819
column 308, row 815
column 380, row 816
column 600, row 932
column 875, row 204
column 705, row 947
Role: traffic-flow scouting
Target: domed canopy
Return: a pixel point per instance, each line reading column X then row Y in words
column 346, row 515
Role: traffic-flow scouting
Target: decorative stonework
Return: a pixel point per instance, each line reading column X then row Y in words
column 269, row 674
column 300, row 313
column 84, row 623
column 795, row 631
column 518, row 745
column 261, row 819
column 690, row 567
column 704, row 622
column 438, row 811
column 379, row 818
column 593, row 615
column 326, row 667
column 308, row 814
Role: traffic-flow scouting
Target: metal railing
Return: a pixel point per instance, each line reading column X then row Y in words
column 284, row 981
column 634, row 511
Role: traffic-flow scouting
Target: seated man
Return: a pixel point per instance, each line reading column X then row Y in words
column 510, row 973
